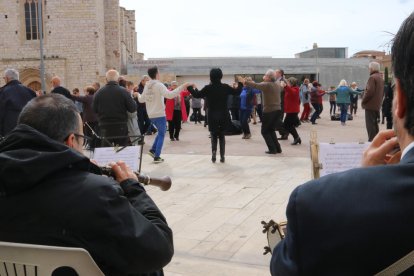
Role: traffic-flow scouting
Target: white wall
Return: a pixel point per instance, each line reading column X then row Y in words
column 201, row 81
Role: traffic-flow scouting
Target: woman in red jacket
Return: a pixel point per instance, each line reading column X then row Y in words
column 292, row 108
column 175, row 112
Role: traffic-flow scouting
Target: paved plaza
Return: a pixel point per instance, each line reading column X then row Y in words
column 215, row 210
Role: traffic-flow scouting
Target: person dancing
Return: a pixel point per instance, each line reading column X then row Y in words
column 292, row 108
column 216, row 94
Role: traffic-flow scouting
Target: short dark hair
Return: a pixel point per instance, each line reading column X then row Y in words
column 216, row 75
column 152, row 72
column 90, row 90
column 403, row 66
column 53, row 115
column 75, row 90
column 122, row 83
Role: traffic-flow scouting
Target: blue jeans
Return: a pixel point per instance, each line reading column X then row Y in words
column 316, row 113
column 244, row 120
column 160, row 124
column 344, row 111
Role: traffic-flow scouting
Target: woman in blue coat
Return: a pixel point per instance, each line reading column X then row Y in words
column 343, row 93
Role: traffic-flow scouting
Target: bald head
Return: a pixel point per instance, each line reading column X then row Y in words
column 55, row 81
column 112, row 75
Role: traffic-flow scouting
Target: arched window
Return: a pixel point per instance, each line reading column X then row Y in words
column 31, row 19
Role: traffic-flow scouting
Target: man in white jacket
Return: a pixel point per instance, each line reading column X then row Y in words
column 153, row 96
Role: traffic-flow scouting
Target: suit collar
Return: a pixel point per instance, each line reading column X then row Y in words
column 408, row 156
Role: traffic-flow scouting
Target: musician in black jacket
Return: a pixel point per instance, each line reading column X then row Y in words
column 49, row 196
column 216, row 94
column 360, row 222
column 111, row 103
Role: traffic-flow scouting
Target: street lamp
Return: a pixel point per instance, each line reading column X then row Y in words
column 42, row 64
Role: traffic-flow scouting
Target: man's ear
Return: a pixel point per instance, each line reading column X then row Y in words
column 401, row 100
column 69, row 141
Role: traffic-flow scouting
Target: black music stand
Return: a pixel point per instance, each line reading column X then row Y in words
column 139, row 139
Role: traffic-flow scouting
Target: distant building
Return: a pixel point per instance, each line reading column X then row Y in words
column 329, row 71
column 324, row 52
column 378, row 55
column 82, row 39
column 381, row 57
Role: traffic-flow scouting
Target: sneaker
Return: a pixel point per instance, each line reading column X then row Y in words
column 151, row 153
column 172, row 139
column 158, row 160
column 247, row 136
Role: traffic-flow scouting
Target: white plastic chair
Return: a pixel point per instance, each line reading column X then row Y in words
column 28, row 259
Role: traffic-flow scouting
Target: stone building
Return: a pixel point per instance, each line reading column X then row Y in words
column 82, row 40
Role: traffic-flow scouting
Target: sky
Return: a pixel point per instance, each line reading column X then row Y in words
column 256, row 28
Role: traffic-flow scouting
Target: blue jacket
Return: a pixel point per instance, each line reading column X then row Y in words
column 343, row 94
column 248, row 97
column 304, row 94
column 13, row 97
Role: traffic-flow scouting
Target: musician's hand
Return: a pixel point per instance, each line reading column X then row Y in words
column 122, row 172
column 378, row 153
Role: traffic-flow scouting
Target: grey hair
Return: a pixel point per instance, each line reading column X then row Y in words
column 271, row 74
column 343, row 83
column 374, row 66
column 11, row 74
column 53, row 115
column 112, row 75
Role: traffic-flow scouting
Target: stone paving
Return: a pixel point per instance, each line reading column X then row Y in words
column 215, row 210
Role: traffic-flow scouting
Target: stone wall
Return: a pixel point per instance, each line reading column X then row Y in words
column 83, row 35
column 112, row 34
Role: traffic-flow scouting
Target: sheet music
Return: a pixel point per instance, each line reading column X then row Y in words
column 130, row 155
column 340, row 156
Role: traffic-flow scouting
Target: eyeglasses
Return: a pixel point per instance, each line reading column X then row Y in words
column 85, row 141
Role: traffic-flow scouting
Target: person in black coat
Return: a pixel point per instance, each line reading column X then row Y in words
column 58, row 89
column 51, row 194
column 216, row 94
column 360, row 222
column 13, row 97
column 111, row 103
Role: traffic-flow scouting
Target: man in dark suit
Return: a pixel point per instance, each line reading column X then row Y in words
column 58, row 89
column 111, row 103
column 13, row 97
column 359, row 222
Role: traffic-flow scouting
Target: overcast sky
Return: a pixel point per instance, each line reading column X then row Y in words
column 220, row 28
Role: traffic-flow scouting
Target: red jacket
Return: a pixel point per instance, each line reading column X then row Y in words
column 292, row 101
column 169, row 107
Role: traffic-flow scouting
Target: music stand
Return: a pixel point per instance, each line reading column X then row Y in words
column 115, row 149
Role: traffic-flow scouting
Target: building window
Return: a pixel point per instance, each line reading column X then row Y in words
column 31, row 19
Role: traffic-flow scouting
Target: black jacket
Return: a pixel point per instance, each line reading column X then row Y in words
column 48, row 196
column 13, row 97
column 353, row 223
column 62, row 91
column 111, row 103
column 217, row 97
